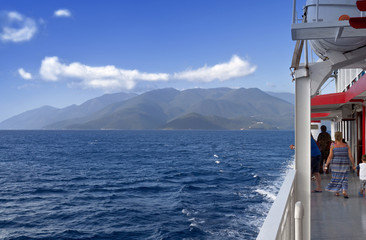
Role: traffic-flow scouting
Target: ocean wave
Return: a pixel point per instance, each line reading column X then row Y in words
column 47, row 190
column 60, row 186
column 267, row 194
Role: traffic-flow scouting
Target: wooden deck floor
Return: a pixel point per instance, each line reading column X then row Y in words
column 338, row 218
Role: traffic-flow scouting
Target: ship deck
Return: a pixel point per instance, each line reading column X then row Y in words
column 338, row 218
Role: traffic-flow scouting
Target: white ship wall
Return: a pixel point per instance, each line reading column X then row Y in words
column 347, row 77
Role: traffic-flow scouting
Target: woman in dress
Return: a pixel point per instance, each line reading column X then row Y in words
column 339, row 157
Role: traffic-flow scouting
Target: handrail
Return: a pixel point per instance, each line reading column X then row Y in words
column 280, row 221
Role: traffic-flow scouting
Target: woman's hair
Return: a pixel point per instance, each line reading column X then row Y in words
column 338, row 136
column 363, row 158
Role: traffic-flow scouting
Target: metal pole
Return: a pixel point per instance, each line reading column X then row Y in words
column 363, row 129
column 317, row 10
column 294, row 12
column 306, row 54
column 302, row 154
column 299, row 214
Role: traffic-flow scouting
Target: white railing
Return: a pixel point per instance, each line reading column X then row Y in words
column 280, row 221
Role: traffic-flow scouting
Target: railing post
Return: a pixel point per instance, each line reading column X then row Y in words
column 292, row 213
column 299, row 215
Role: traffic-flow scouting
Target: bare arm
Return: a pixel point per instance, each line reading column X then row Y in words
column 329, row 157
column 351, row 158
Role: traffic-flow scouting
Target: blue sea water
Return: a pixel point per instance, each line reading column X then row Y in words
column 139, row 184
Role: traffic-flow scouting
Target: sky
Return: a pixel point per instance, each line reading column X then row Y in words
column 59, row 53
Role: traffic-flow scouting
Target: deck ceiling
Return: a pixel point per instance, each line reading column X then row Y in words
column 329, row 106
column 326, row 116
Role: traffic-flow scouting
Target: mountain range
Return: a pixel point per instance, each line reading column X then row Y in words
column 217, row 108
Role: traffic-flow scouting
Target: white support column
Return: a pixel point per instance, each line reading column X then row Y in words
column 363, row 129
column 354, row 139
column 332, row 129
column 302, row 155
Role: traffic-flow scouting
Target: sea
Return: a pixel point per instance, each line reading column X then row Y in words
column 139, row 184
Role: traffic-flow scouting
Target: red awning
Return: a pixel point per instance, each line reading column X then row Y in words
column 328, row 106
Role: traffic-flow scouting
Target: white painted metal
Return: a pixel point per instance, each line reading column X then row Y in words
column 354, row 140
column 347, row 76
column 321, row 71
column 329, row 11
column 302, row 153
column 345, row 131
column 331, row 39
column 280, row 221
column 299, row 214
column 332, row 129
column 315, row 130
column 294, row 12
column 317, row 10
column 320, row 30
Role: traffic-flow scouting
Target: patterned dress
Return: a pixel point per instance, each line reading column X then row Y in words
column 339, row 167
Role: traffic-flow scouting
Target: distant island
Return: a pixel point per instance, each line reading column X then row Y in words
column 169, row 109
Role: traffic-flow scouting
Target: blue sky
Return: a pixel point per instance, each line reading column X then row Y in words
column 60, row 53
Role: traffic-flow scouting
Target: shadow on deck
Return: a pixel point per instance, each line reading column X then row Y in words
column 338, row 218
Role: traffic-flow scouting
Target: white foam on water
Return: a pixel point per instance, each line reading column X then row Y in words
column 186, row 212
column 217, row 161
column 269, row 190
column 291, row 164
column 266, row 194
column 196, row 221
column 230, row 215
column 240, row 194
column 193, row 225
column 93, row 142
column 216, row 156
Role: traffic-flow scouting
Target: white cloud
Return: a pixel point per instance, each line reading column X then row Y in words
column 235, row 68
column 24, row 74
column 111, row 78
column 105, row 77
column 17, row 28
column 62, row 13
column 15, row 16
